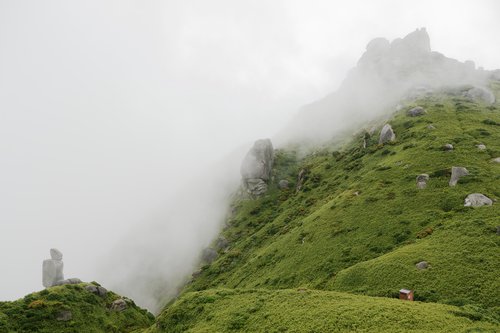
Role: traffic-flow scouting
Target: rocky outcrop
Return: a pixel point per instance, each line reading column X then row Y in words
column 416, row 111
column 68, row 281
column 456, row 174
column 52, row 269
column 256, row 167
column 97, row 290
column 119, row 305
column 422, row 181
column 301, row 178
column 477, row 200
column 386, row 134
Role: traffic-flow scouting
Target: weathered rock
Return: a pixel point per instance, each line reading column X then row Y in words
column 68, row 281
column 431, row 127
column 301, row 178
column 256, row 167
column 496, row 160
column 422, row 181
column 222, row 243
column 52, row 269
column 255, row 186
column 283, row 184
column 480, row 94
column 477, row 200
column 64, row 316
column 456, row 174
column 208, row 255
column 97, row 290
column 481, row 147
column 416, row 111
column 386, row 134
column 498, row 230
column 448, row 147
column 422, row 265
column 119, row 305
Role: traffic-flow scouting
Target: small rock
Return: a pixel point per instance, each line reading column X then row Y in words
column 422, row 265
column 64, row 316
column 68, row 281
column 386, row 134
column 222, row 243
column 208, row 255
column 283, row 184
column 431, row 127
column 477, row 200
column 118, row 305
column 481, row 147
column 448, row 147
column 496, row 160
column 91, row 288
column 416, row 111
column 456, row 174
column 498, row 230
column 422, row 181
column 97, row 290
column 301, row 178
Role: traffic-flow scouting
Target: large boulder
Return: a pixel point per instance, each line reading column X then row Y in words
column 422, row 265
column 256, row 167
column 119, row 305
column 386, row 134
column 416, row 111
column 448, row 147
column 422, row 181
column 480, row 94
column 52, row 269
column 456, row 174
column 477, row 200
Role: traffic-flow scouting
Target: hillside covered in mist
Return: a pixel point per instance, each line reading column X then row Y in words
column 395, row 190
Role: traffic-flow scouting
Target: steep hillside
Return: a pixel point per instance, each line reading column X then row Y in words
column 358, row 223
column 72, row 308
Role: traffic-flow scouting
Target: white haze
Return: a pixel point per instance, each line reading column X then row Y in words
column 123, row 123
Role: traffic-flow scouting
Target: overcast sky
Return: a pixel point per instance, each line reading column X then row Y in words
column 110, row 109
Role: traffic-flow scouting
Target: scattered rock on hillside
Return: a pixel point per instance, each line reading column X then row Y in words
column 118, row 305
column 456, row 174
column 283, row 184
column 64, row 316
column 386, row 134
column 480, row 94
column 481, row 147
column 477, row 200
column 496, row 160
column 97, row 290
column 448, row 147
column 208, row 255
column 416, row 111
column 301, row 178
column 256, row 167
column 431, row 127
column 222, row 243
column 498, row 230
column 422, row 265
column 422, row 181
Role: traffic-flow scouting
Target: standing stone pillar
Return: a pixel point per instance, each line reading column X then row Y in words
column 52, row 269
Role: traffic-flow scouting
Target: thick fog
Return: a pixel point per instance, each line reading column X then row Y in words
column 123, row 123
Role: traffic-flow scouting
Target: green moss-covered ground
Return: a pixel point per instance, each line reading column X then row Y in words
column 39, row 312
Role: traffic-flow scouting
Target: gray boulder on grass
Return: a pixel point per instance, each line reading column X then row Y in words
column 386, row 134
column 496, row 160
column 422, row 181
column 422, row 265
column 456, row 174
column 416, row 111
column 283, row 184
column 480, row 94
column 481, row 147
column 448, row 147
column 118, row 305
column 477, row 200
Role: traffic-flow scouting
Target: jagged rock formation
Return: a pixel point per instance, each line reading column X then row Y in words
column 456, row 174
column 256, row 167
column 386, row 134
column 477, row 200
column 52, row 269
column 422, row 181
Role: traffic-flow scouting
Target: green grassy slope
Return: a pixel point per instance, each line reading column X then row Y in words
column 225, row 310
column 359, row 224
column 38, row 312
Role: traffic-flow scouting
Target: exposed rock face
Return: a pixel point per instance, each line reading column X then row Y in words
column 456, row 174
column 283, row 184
column 256, row 167
column 118, row 305
column 422, row 181
column 477, row 200
column 481, row 147
column 208, row 255
column 52, row 269
column 68, row 281
column 448, row 147
column 386, row 134
column 422, row 265
column 480, row 94
column 416, row 111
